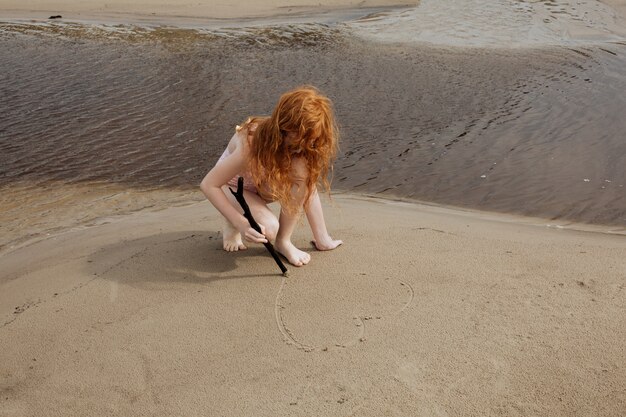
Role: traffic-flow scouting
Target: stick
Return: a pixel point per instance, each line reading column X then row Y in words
column 248, row 215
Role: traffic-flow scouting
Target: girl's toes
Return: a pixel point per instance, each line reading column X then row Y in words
column 299, row 262
column 231, row 247
column 242, row 247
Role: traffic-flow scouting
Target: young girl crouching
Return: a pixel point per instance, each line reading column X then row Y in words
column 281, row 158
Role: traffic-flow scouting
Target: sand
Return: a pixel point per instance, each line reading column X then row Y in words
column 423, row 311
column 618, row 5
column 172, row 12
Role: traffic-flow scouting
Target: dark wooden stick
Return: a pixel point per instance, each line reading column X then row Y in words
column 248, row 215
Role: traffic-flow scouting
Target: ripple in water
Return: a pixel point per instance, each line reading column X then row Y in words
column 505, row 24
column 90, row 123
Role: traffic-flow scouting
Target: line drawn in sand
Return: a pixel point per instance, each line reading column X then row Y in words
column 290, row 338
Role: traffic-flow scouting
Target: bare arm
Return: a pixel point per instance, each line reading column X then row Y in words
column 218, row 176
column 312, row 209
column 315, row 216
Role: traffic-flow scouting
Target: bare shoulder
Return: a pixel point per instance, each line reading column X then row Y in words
column 238, row 140
column 241, row 138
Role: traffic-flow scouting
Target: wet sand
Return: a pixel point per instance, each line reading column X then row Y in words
column 424, row 311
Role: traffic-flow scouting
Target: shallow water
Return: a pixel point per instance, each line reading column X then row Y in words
column 96, row 121
column 500, row 24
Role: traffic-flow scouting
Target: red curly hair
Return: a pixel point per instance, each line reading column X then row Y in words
column 307, row 116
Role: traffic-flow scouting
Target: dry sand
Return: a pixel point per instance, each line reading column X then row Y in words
column 425, row 311
column 177, row 12
column 618, row 5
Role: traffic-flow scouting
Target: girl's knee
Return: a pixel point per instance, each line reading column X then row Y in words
column 271, row 226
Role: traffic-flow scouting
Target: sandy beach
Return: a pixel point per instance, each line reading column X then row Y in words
column 179, row 14
column 479, row 192
column 425, row 311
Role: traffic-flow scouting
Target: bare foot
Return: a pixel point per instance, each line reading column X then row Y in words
column 295, row 256
column 232, row 239
column 326, row 244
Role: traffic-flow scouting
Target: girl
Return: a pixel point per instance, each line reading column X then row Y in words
column 282, row 158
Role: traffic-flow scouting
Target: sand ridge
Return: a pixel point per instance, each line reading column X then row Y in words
column 177, row 14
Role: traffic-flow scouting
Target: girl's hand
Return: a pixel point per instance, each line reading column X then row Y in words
column 251, row 235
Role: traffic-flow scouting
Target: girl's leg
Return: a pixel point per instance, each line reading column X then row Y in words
column 288, row 222
column 262, row 214
column 283, row 243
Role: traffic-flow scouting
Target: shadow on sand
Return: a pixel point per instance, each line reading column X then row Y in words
column 158, row 261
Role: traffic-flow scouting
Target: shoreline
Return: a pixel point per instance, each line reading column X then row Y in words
column 383, row 21
column 20, row 243
column 208, row 16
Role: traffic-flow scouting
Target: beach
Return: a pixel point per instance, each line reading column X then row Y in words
column 479, row 192
column 426, row 311
column 180, row 14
